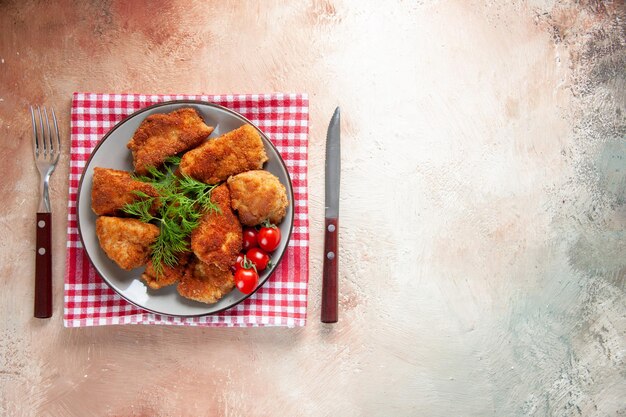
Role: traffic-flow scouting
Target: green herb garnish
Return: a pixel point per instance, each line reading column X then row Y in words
column 182, row 201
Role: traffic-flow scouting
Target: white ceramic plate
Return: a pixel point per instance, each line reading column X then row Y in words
column 111, row 152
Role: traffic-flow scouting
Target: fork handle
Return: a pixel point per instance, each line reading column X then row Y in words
column 43, row 267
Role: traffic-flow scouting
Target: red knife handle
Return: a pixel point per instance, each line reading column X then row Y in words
column 330, row 302
column 43, row 267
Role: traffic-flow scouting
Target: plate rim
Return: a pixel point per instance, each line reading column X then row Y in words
column 134, row 114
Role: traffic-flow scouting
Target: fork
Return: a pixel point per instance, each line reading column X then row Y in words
column 46, row 152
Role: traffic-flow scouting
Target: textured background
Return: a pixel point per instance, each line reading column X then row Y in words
column 483, row 243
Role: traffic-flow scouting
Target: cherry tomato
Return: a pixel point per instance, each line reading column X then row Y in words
column 238, row 263
column 269, row 238
column 259, row 258
column 249, row 238
column 246, row 280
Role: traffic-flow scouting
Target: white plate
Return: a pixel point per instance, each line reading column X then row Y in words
column 111, row 152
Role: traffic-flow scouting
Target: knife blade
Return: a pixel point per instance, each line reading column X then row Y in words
column 331, row 256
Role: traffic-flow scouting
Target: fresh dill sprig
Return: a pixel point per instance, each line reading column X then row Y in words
column 198, row 191
column 183, row 200
column 141, row 208
column 173, row 160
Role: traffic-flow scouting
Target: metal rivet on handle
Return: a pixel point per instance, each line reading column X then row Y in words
column 331, row 227
column 41, row 224
column 42, row 251
column 330, row 255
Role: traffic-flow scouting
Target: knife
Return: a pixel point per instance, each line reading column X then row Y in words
column 331, row 255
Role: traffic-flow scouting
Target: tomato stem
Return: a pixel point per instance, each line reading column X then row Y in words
column 266, row 223
column 248, row 264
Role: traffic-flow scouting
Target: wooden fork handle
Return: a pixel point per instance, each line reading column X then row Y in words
column 43, row 267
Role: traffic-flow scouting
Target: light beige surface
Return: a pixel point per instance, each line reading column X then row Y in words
column 483, row 249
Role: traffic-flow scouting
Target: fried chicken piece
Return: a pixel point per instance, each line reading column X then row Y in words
column 218, row 238
column 169, row 276
column 113, row 189
column 205, row 283
column 126, row 241
column 217, row 159
column 163, row 135
column 258, row 196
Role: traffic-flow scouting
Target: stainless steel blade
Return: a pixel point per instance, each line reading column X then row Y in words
column 333, row 165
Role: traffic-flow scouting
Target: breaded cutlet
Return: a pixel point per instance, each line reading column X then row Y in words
column 258, row 196
column 169, row 276
column 112, row 189
column 162, row 135
column 205, row 283
column 217, row 159
column 218, row 238
column 126, row 241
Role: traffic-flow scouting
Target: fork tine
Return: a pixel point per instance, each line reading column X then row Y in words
column 47, row 136
column 35, row 136
column 43, row 133
column 56, row 129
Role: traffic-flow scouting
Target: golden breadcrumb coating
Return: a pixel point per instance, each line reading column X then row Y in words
column 169, row 276
column 258, row 196
column 126, row 241
column 162, row 135
column 205, row 283
column 217, row 159
column 112, row 189
column 218, row 238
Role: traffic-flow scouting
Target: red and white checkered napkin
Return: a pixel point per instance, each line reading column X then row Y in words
column 281, row 301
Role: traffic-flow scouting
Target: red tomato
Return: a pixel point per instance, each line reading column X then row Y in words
column 246, row 280
column 249, row 238
column 269, row 238
column 259, row 258
column 238, row 263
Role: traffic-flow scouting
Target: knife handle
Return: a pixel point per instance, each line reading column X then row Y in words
column 43, row 267
column 329, row 284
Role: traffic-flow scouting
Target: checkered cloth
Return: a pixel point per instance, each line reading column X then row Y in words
column 281, row 301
